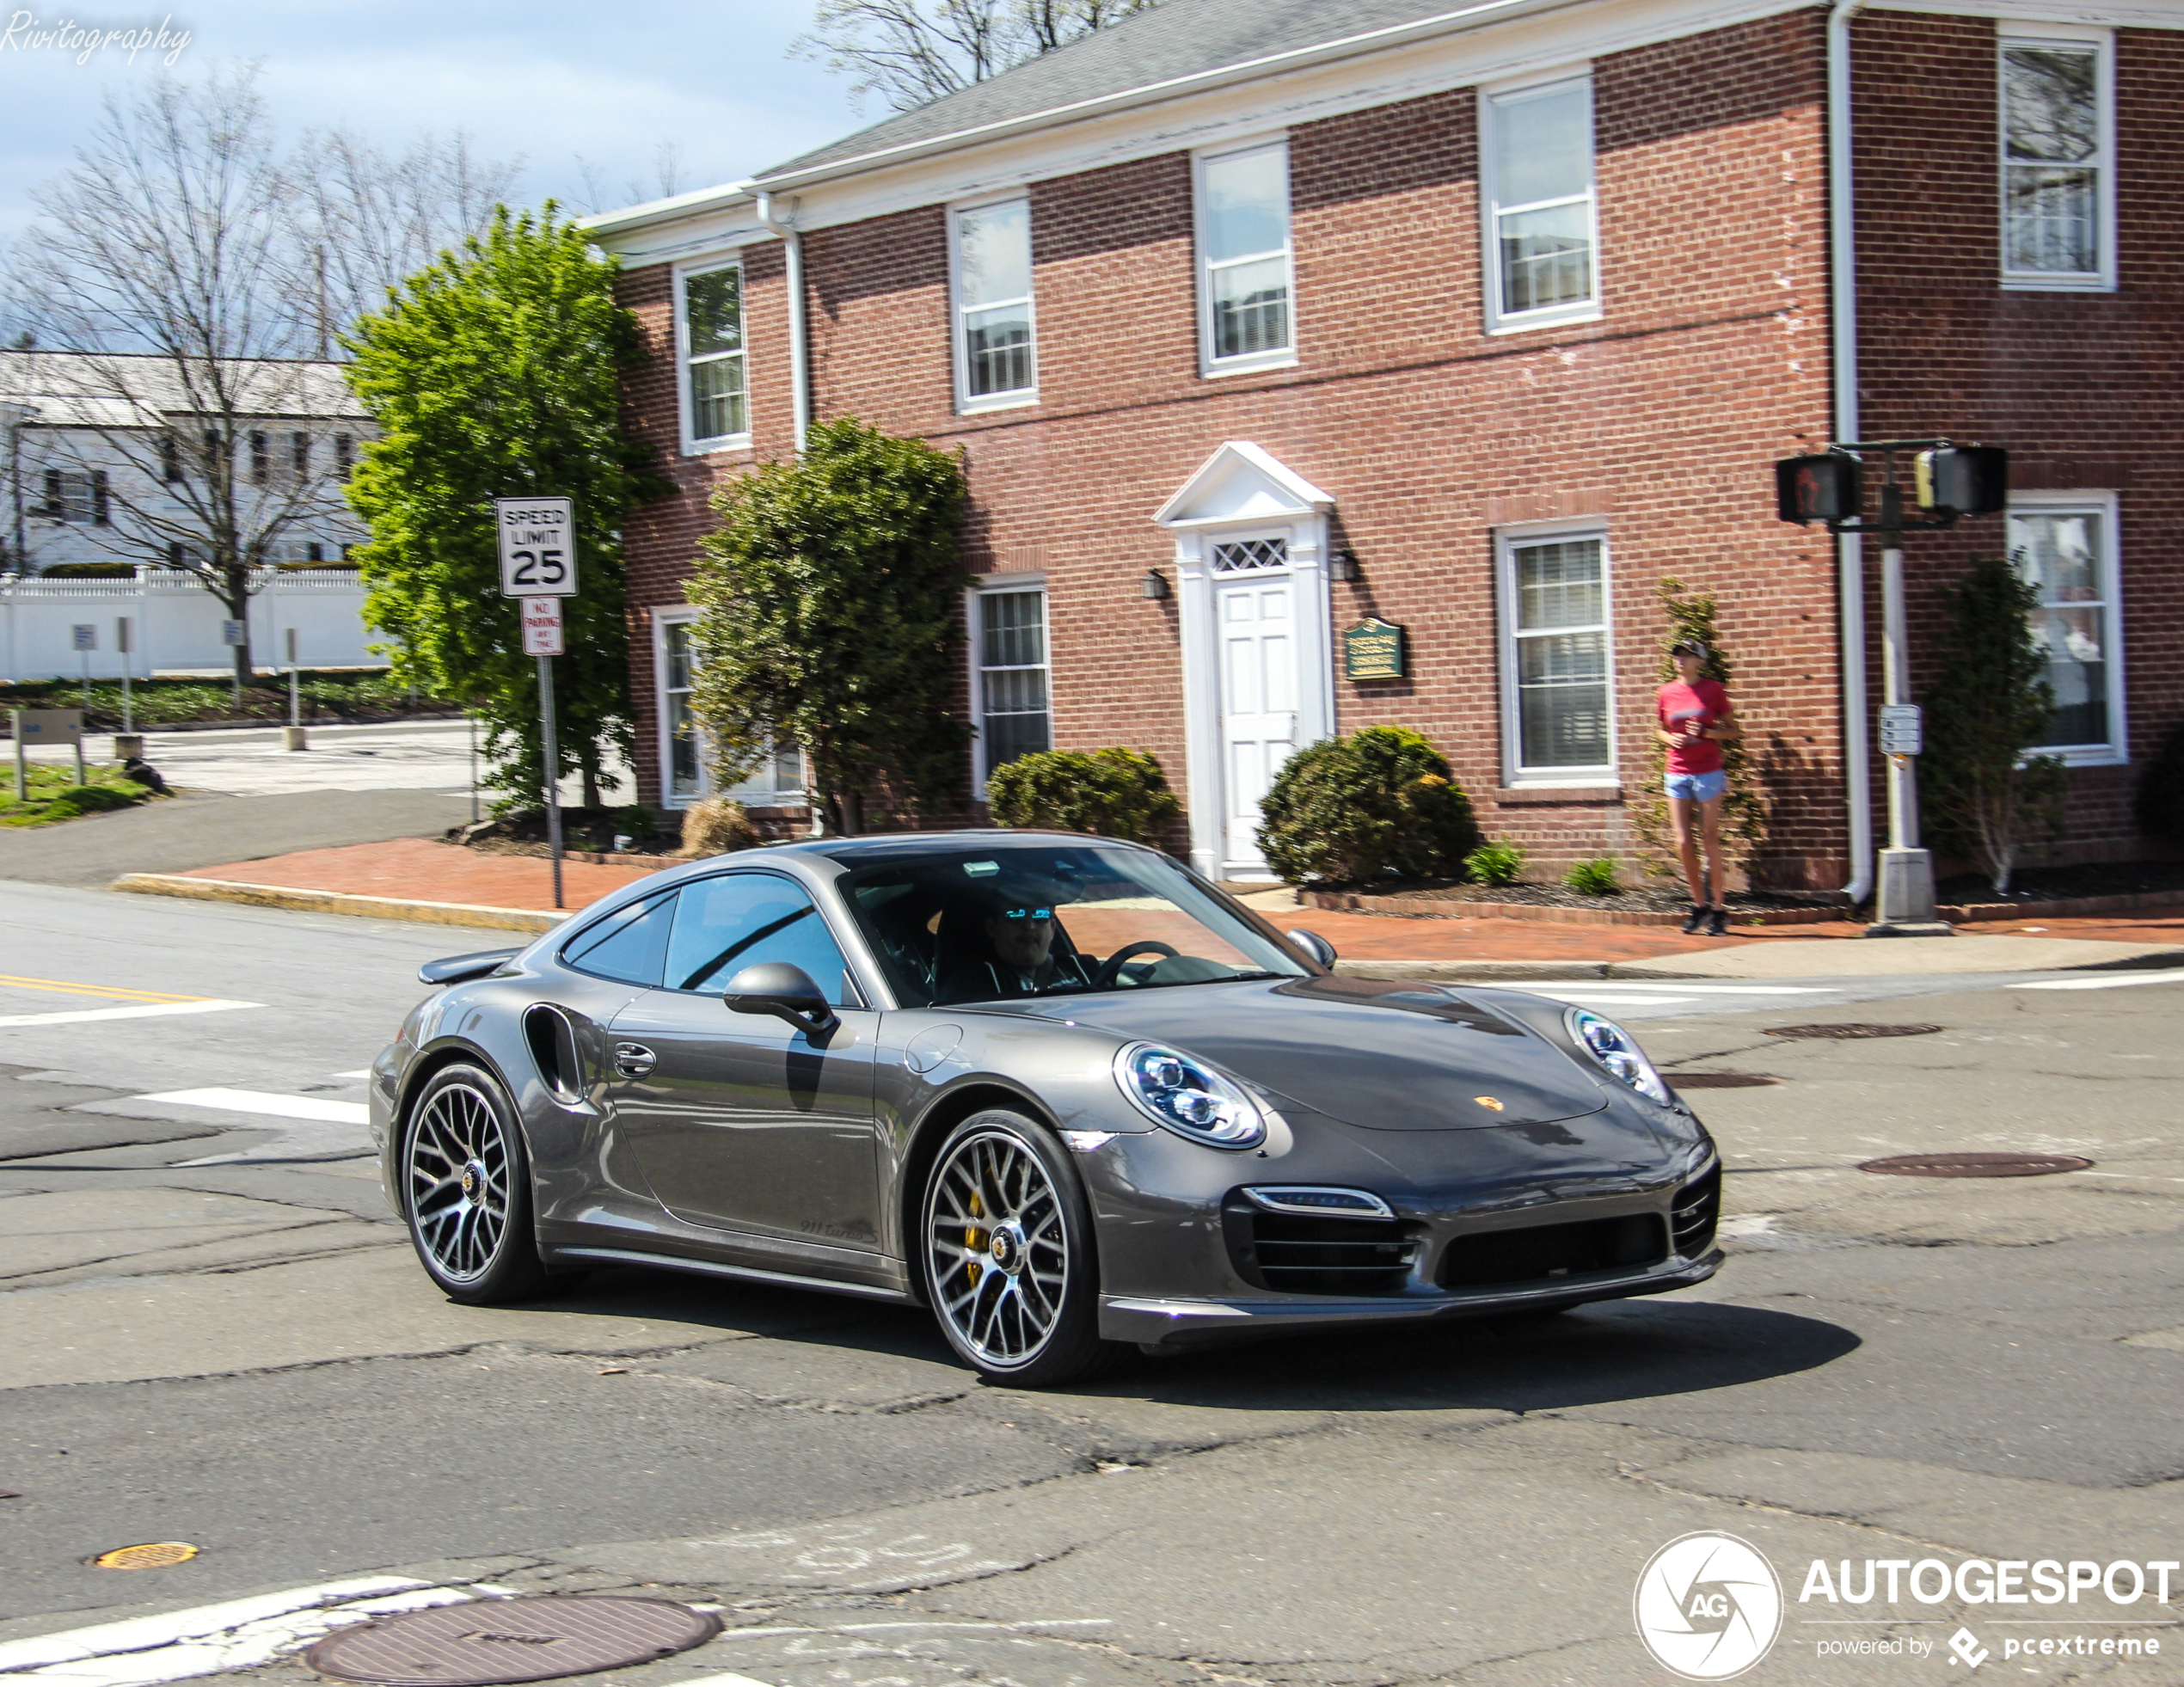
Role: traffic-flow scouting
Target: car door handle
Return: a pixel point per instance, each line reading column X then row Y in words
column 633, row 1060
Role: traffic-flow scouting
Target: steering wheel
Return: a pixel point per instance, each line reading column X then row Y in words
column 1111, row 969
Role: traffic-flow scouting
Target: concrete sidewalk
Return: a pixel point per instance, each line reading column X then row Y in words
column 416, row 878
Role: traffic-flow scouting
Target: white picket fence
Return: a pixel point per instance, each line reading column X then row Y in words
column 175, row 624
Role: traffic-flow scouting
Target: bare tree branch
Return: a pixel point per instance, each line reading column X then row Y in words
column 911, row 52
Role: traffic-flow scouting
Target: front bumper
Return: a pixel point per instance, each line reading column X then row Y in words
column 1173, row 1324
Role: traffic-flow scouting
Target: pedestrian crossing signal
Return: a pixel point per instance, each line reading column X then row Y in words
column 1818, row 487
column 1964, row 480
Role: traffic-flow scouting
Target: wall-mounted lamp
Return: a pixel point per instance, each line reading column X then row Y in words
column 1155, row 588
column 1343, row 565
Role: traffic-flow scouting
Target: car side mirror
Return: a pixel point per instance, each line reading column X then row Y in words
column 1313, row 945
column 785, row 991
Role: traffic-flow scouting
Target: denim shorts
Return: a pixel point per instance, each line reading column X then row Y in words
column 1698, row 786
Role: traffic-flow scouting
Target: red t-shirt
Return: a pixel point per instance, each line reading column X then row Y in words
column 1683, row 708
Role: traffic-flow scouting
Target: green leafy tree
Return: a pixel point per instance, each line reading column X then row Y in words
column 1979, row 792
column 831, row 597
column 1112, row 793
column 1743, row 816
column 493, row 374
column 1349, row 810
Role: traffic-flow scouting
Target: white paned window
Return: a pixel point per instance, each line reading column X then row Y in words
column 1244, row 270
column 716, row 393
column 1014, row 717
column 2066, row 549
column 995, row 362
column 1556, row 649
column 2058, row 145
column 1541, row 235
column 686, row 773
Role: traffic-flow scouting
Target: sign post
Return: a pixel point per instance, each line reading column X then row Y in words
column 121, row 644
column 538, row 566
column 45, row 726
column 86, row 635
column 234, row 635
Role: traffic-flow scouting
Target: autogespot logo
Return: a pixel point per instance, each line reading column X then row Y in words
column 1707, row 1606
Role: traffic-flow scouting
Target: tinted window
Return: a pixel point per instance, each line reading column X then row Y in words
column 723, row 925
column 629, row 944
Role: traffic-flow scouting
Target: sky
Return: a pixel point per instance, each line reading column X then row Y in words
column 587, row 96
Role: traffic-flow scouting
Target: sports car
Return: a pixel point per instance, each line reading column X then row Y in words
column 1059, row 1090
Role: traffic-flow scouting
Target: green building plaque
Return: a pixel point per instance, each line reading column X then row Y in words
column 1373, row 649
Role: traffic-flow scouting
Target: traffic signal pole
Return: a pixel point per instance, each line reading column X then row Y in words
column 1904, row 897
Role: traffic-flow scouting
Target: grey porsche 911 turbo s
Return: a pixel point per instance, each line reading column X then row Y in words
column 1059, row 1090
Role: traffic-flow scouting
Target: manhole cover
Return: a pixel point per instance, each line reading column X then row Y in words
column 1975, row 1165
column 494, row 1640
column 1721, row 1080
column 1852, row 1030
column 155, row 1555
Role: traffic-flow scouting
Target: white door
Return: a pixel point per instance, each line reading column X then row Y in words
column 1256, row 623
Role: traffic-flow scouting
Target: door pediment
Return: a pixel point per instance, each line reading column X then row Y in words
column 1243, row 482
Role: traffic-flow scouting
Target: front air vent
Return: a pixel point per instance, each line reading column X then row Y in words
column 1549, row 1253
column 1294, row 1254
column 1694, row 1212
column 553, row 1046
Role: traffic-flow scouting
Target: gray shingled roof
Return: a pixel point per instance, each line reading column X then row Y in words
column 1181, row 38
column 138, row 389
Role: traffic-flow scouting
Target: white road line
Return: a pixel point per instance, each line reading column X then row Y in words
column 240, row 1634
column 353, row 1077
column 1638, row 990
column 276, row 1107
column 744, row 1680
column 2172, row 975
column 148, row 1011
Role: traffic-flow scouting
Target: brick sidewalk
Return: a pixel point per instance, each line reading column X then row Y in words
column 419, row 869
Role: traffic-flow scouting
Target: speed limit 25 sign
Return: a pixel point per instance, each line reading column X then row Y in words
column 537, row 547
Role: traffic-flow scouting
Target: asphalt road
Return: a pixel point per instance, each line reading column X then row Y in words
column 210, row 1331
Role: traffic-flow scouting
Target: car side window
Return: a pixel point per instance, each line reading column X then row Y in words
column 629, row 945
column 739, row 919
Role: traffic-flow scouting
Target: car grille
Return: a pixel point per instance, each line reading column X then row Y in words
column 1544, row 1251
column 1296, row 1256
column 1696, row 1211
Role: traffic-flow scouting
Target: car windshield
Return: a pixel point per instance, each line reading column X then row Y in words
column 968, row 925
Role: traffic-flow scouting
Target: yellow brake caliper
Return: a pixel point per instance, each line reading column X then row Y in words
column 974, row 1239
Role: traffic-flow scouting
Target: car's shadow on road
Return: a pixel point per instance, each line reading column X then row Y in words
column 1611, row 1351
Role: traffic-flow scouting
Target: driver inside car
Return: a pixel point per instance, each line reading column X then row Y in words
column 1013, row 950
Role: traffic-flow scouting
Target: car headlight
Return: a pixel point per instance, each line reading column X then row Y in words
column 1615, row 1049
column 1189, row 1096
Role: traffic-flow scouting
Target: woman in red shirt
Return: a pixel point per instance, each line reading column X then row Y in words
column 1696, row 718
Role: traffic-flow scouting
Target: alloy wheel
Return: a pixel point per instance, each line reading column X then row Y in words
column 997, row 1246
column 458, row 1181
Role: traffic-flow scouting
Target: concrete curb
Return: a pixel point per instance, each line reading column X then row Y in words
column 336, row 902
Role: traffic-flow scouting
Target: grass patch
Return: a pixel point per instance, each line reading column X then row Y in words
column 54, row 795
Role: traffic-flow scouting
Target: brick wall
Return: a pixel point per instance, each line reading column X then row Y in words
column 2086, row 389
column 1661, row 418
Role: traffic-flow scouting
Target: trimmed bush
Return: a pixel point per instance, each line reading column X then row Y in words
column 1351, row 810
column 1597, row 877
column 1494, row 863
column 1112, row 792
column 716, row 826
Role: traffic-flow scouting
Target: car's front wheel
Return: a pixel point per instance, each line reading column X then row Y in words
column 466, row 1184
column 1009, row 1261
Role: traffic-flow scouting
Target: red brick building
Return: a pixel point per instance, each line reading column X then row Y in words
column 1260, row 320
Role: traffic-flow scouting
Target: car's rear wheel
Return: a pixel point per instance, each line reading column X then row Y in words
column 1009, row 1262
column 466, row 1184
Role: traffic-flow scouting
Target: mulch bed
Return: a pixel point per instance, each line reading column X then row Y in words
column 1639, row 905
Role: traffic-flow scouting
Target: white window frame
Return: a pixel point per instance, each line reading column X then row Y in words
column 998, row 585
column 664, row 736
column 686, row 412
column 1506, row 542
column 2116, row 752
column 2008, row 34
column 1498, row 320
column 966, row 404
column 1212, row 366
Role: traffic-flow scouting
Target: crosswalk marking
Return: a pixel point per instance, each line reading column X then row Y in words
column 142, row 1010
column 276, row 1107
column 2171, row 976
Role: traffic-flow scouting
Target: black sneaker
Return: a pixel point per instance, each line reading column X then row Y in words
column 1696, row 924
column 1717, row 922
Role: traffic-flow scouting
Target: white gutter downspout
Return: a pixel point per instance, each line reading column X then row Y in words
column 800, row 374
column 1842, row 321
